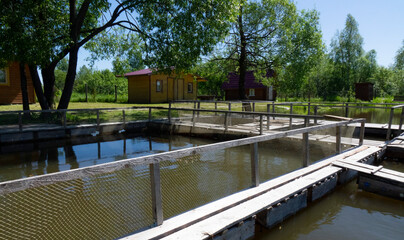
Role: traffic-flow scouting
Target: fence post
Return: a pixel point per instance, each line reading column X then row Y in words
column 338, row 147
column 169, row 112
column 362, row 133
column 390, row 122
column 401, row 119
column 86, row 92
column 20, row 121
column 216, row 108
column 273, row 110
column 261, row 125
column 315, row 114
column 150, row 116
column 124, row 118
column 98, row 119
column 308, row 110
column 290, row 118
column 64, row 119
column 306, row 149
column 225, row 121
column 346, row 109
column 157, row 202
column 229, row 106
column 199, row 107
column 116, row 93
column 268, row 116
column 254, row 164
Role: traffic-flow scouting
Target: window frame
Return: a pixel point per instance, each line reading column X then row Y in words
column 7, row 77
column 192, row 87
column 251, row 90
column 157, row 85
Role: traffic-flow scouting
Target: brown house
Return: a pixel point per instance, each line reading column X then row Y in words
column 10, row 84
column 146, row 86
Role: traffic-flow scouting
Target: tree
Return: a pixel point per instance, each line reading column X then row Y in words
column 346, row 50
column 175, row 33
column 303, row 53
column 257, row 38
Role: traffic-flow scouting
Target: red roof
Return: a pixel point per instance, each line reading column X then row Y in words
column 250, row 82
column 146, row 71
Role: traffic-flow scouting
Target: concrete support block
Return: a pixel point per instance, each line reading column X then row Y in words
column 276, row 214
column 346, row 176
column 382, row 186
column 323, row 188
column 243, row 230
column 82, row 131
column 51, row 134
column 16, row 137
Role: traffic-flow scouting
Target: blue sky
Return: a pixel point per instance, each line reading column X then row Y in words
column 381, row 24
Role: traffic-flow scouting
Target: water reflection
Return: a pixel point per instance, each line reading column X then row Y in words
column 65, row 155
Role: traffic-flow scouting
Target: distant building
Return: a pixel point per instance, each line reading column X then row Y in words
column 146, row 86
column 10, row 84
column 253, row 90
column 364, row 91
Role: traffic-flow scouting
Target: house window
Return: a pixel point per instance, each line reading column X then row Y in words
column 4, row 76
column 159, row 85
column 190, row 87
column 252, row 92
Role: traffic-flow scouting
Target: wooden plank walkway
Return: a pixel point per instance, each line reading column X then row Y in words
column 216, row 217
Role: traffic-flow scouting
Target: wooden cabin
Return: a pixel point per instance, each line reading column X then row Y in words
column 10, row 84
column 146, row 86
column 254, row 90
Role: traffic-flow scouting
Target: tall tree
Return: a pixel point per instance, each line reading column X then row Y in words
column 175, row 33
column 346, row 50
column 257, row 37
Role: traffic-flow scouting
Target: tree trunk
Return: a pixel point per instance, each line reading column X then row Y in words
column 24, row 90
column 70, row 77
column 243, row 57
column 48, row 77
column 38, row 88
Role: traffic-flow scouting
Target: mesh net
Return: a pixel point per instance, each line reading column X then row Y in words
column 105, row 206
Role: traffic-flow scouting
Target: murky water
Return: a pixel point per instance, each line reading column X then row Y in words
column 347, row 213
column 119, row 203
column 371, row 115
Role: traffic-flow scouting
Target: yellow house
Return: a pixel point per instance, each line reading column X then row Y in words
column 146, row 86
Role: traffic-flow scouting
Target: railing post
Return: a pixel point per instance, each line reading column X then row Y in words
column 116, row 93
column 64, row 118
column 229, row 106
column 157, row 202
column 401, row 119
column 199, row 107
column 362, row 133
column 124, row 118
column 254, row 164
column 20, row 121
column 315, row 114
column 308, row 108
column 261, row 125
column 268, row 116
column 346, row 109
column 225, row 121
column 215, row 108
column 273, row 110
column 169, row 112
column 290, row 118
column 388, row 135
column 98, row 119
column 306, row 149
column 150, row 114
column 338, row 147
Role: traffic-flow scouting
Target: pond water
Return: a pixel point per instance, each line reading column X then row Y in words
column 119, row 203
column 347, row 213
column 371, row 115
